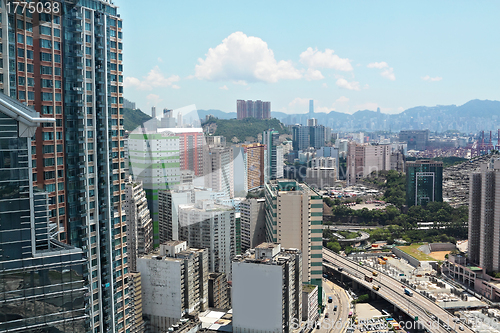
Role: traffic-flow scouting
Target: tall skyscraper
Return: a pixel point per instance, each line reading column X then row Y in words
column 267, row 285
column 294, row 218
column 424, row 182
column 317, row 136
column 153, row 112
column 33, row 265
column 69, row 67
column 484, row 217
column 274, row 155
column 253, row 109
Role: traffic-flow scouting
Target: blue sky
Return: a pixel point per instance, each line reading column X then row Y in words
column 346, row 55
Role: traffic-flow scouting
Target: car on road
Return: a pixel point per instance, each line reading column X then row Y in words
column 461, row 327
column 326, row 315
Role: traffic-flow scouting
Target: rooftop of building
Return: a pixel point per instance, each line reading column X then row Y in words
column 173, row 242
column 308, row 288
column 422, row 162
column 178, row 130
column 267, row 246
column 280, row 258
column 290, row 185
column 157, row 256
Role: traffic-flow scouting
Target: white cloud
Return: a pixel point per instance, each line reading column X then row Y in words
column 342, row 99
column 300, row 101
column 325, row 85
column 154, row 79
column 160, row 59
column 432, row 79
column 224, row 87
column 401, row 109
column 313, row 74
column 378, row 65
column 343, row 83
column 317, row 59
column 174, row 86
column 153, row 99
column 389, row 74
column 246, row 58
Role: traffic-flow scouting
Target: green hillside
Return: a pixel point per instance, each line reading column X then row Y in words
column 133, row 118
column 244, row 128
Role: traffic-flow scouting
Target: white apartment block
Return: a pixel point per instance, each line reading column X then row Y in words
column 174, row 283
column 210, row 226
column 267, row 290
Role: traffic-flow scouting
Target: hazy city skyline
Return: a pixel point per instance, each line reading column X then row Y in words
column 388, row 55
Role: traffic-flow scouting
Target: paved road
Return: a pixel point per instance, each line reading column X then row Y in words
column 340, row 298
column 393, row 291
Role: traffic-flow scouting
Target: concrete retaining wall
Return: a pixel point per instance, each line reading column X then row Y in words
column 411, row 260
column 442, row 247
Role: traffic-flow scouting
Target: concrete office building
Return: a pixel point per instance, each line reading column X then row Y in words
column 267, row 290
column 31, row 257
column 174, row 283
column 424, row 182
column 139, row 223
column 416, row 139
column 301, row 137
column 316, row 136
column 484, row 217
column 363, row 159
column 220, row 170
column 253, row 223
column 294, row 218
column 154, row 160
column 210, row 226
column 218, row 291
column 273, row 155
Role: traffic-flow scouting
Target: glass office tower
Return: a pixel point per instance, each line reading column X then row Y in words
column 41, row 279
column 67, row 65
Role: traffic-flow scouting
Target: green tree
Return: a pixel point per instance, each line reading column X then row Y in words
column 334, row 246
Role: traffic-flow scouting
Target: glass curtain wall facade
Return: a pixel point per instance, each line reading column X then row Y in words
column 424, row 182
column 42, row 287
column 67, row 64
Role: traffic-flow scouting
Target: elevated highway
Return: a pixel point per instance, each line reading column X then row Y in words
column 429, row 313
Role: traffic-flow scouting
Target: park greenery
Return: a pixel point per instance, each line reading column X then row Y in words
column 398, row 222
column 244, row 128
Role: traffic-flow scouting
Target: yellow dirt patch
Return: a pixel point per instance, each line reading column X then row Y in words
column 439, row 255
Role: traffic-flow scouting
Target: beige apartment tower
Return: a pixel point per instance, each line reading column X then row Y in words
column 294, row 218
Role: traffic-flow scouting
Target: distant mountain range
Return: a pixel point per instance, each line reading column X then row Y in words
column 471, row 117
